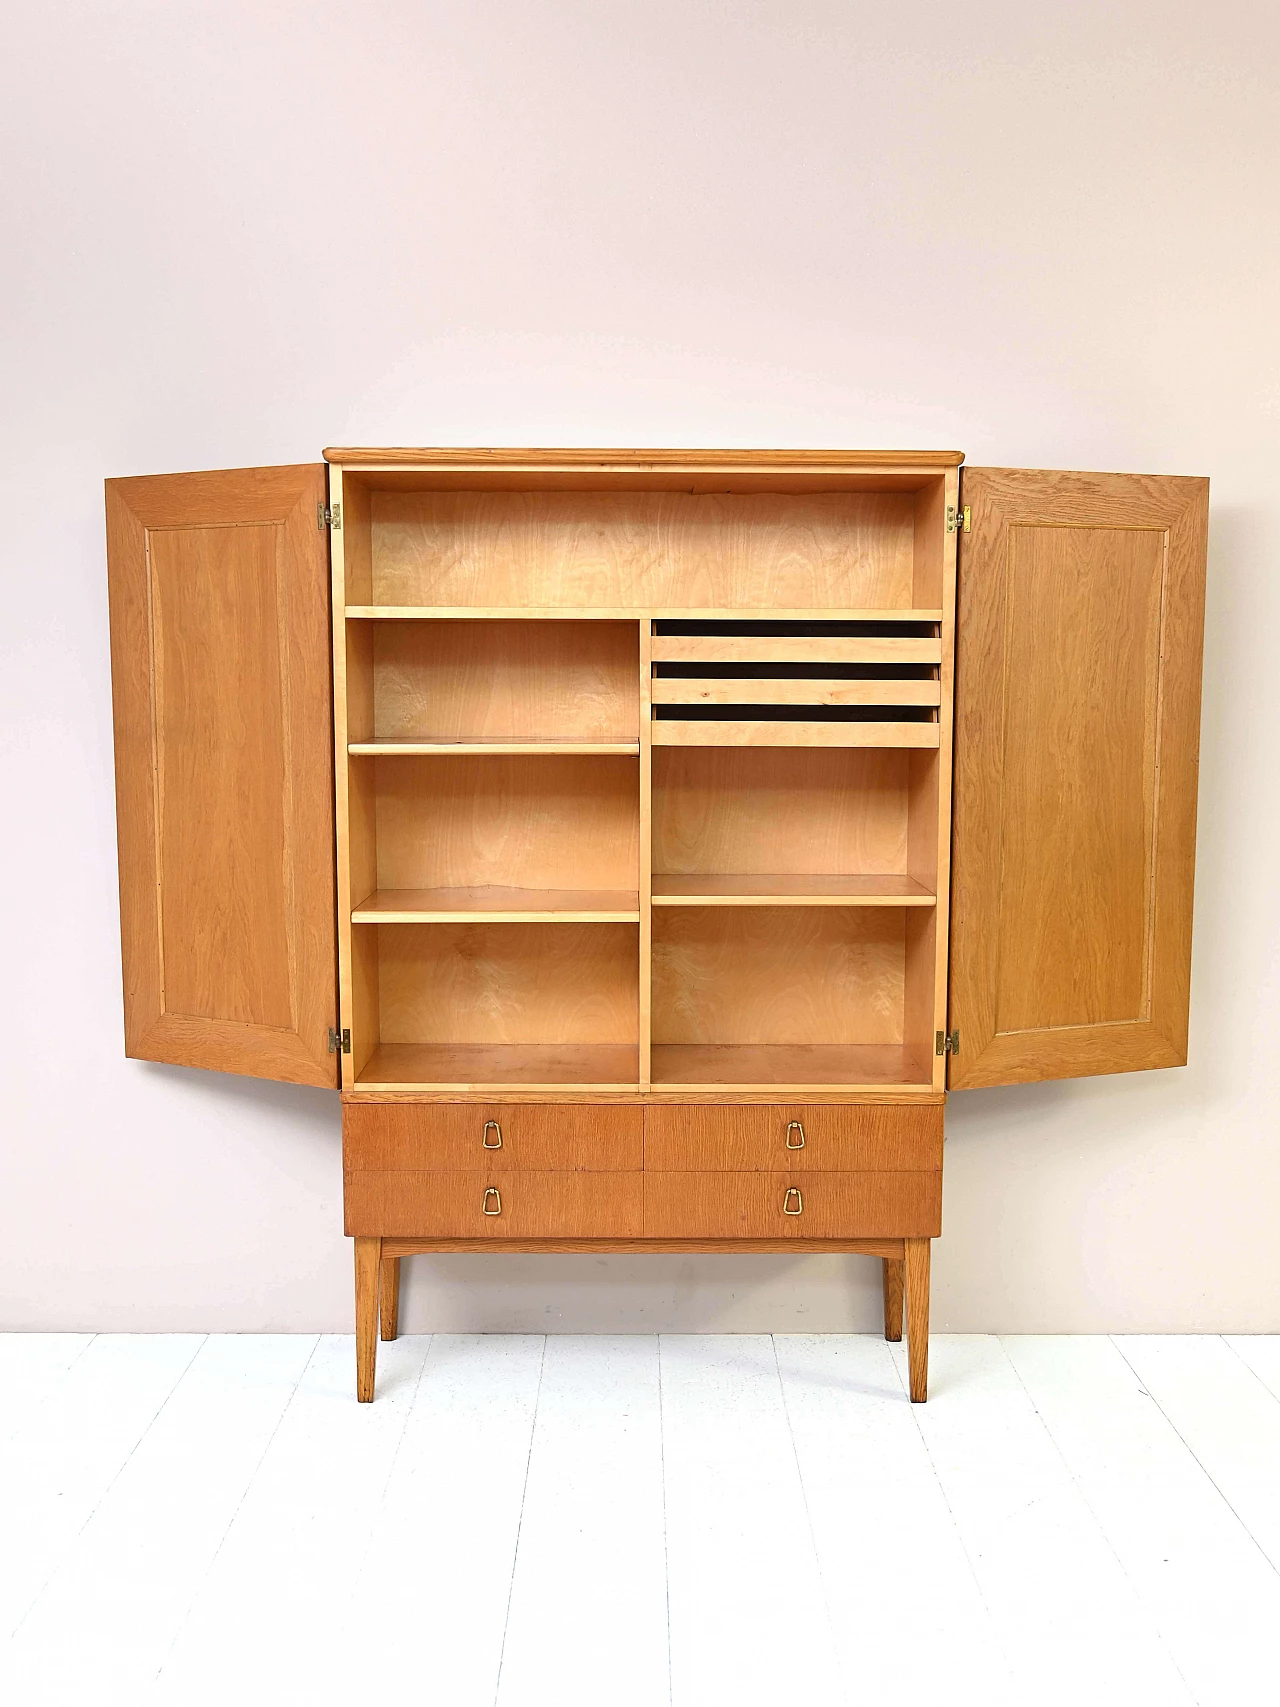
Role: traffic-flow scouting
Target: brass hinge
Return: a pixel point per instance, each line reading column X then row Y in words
column 329, row 517
column 946, row 1043
column 334, row 1040
column 958, row 519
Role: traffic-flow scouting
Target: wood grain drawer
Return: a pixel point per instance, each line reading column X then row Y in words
column 513, row 1136
column 452, row 1205
column 794, row 1138
column 688, row 1205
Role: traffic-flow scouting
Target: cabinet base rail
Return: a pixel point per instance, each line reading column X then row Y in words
column 905, row 1280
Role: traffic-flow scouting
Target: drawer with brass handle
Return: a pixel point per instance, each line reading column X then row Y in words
column 760, row 1205
column 542, row 1137
column 789, row 1138
column 416, row 1204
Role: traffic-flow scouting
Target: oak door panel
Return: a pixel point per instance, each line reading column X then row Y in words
column 1079, row 625
column 792, row 1138
column 222, row 698
column 493, row 1205
column 792, row 1206
column 516, row 1137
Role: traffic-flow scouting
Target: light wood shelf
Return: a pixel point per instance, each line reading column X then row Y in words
column 785, row 1066
column 501, row 1067
column 399, row 748
column 801, row 649
column 722, row 889
column 496, row 904
column 676, row 732
column 631, row 613
column 784, row 690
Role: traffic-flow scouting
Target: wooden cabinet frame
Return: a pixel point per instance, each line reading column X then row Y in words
column 655, row 926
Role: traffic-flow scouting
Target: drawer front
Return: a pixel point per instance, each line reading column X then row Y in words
column 765, row 1205
column 512, row 1136
column 794, row 1138
column 493, row 1205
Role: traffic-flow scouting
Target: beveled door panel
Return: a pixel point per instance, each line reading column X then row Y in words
column 221, row 678
column 1080, row 614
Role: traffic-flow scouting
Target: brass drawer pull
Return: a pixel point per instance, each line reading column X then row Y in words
column 796, row 1143
column 793, row 1197
column 497, row 1135
column 491, row 1193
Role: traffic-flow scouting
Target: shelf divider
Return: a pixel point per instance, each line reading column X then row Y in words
column 645, row 872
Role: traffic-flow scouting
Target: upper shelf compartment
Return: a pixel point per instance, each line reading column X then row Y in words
column 422, row 541
column 496, row 687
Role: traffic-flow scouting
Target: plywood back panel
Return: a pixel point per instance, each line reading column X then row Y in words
column 797, row 810
column 821, row 975
column 1077, row 718
column 221, row 668
column 768, row 550
column 471, row 680
column 546, row 822
column 500, row 984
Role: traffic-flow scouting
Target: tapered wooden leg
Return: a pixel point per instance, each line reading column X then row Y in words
column 917, row 1279
column 893, row 1298
column 390, row 1297
column 368, row 1263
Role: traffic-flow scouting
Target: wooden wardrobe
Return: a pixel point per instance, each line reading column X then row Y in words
column 643, row 842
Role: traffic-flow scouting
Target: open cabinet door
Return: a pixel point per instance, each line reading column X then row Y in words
column 221, row 684
column 1078, row 641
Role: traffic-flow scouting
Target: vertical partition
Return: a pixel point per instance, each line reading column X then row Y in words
column 645, row 873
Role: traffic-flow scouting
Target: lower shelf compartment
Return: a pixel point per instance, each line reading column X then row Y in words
column 501, row 1067
column 789, row 1066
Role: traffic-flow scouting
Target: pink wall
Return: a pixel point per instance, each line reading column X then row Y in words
column 1045, row 235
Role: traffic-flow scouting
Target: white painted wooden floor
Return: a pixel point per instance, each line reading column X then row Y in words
column 621, row 1521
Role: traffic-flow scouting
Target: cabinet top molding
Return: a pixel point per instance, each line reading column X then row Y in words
column 639, row 461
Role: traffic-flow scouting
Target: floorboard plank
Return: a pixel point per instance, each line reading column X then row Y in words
column 1261, row 1352
column 1228, row 1417
column 126, row 1583
column 30, row 1364
column 1189, row 1559
column 749, row 1622
column 430, row 1606
column 282, row 1576
column 888, row 1547
column 1070, row 1623
column 64, row 1453
column 590, row 1572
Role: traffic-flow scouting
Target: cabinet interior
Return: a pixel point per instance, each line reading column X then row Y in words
column 640, row 784
column 730, row 542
